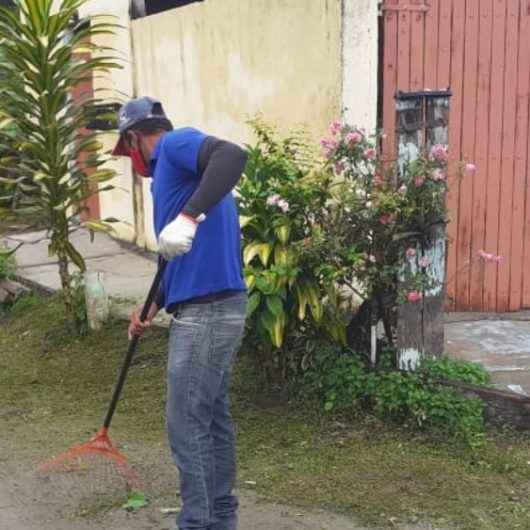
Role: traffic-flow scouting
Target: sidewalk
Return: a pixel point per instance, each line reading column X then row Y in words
column 500, row 342
column 127, row 274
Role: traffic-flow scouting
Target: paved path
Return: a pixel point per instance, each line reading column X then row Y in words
column 500, row 342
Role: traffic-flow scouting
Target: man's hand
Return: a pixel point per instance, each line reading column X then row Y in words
column 177, row 237
column 136, row 326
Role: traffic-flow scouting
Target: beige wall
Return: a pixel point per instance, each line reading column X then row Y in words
column 218, row 63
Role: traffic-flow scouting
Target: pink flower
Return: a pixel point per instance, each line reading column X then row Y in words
column 370, row 154
column 414, row 296
column 354, row 137
column 335, row 127
column 387, row 219
column 439, row 153
column 273, row 199
column 283, row 205
column 424, row 261
column 438, row 174
column 471, row 168
column 403, row 189
column 419, row 181
column 329, row 145
column 411, row 253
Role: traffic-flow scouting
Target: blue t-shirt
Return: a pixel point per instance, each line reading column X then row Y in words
column 214, row 263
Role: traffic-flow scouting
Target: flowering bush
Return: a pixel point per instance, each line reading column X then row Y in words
column 314, row 231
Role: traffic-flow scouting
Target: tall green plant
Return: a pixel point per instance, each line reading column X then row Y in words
column 56, row 167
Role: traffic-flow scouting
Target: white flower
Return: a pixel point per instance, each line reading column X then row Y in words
column 283, row 205
column 273, row 199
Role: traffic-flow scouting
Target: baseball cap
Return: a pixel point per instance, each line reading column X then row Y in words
column 134, row 112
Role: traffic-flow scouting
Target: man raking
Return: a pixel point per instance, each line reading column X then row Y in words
column 196, row 223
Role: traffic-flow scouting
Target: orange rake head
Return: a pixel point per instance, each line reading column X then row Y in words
column 98, row 446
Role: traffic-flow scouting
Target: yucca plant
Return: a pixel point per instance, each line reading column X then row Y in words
column 56, row 166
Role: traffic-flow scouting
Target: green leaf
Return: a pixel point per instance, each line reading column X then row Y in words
column 250, row 252
column 97, row 226
column 303, row 301
column 103, row 175
column 253, row 303
column 135, row 501
column 275, row 306
column 283, row 233
column 244, row 220
column 250, row 280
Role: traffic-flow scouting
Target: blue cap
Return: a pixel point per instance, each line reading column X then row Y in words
column 136, row 111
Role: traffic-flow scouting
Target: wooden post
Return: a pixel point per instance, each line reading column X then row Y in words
column 422, row 121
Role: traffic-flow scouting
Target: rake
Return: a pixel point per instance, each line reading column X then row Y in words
column 101, row 445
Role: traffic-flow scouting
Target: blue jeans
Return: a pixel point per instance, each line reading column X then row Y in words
column 203, row 342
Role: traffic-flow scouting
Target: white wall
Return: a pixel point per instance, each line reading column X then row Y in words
column 360, row 44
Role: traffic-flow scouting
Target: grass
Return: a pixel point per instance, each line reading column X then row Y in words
column 54, row 390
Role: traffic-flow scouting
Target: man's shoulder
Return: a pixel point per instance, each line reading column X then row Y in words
column 183, row 134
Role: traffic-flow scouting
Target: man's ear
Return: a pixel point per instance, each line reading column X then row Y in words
column 133, row 141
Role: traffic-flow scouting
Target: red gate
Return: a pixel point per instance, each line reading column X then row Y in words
column 480, row 49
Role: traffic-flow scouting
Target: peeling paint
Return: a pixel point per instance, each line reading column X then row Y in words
column 409, row 359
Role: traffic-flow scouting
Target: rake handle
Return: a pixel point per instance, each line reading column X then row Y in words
column 133, row 343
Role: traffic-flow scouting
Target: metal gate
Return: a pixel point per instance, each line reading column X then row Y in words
column 480, row 49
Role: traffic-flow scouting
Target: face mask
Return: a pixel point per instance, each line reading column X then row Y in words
column 138, row 162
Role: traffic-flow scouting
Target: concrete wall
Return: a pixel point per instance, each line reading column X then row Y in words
column 218, row 63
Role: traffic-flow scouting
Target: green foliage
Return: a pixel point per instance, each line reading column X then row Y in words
column 7, row 265
column 445, row 368
column 344, row 385
column 25, row 303
column 283, row 204
column 79, row 304
column 52, row 167
column 135, row 501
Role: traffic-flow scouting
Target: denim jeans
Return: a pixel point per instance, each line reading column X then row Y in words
column 204, row 339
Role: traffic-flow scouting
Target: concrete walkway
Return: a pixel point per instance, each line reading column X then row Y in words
column 127, row 274
column 500, row 342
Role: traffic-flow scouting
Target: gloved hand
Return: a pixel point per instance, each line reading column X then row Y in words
column 177, row 237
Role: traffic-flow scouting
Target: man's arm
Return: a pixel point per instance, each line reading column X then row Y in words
column 221, row 165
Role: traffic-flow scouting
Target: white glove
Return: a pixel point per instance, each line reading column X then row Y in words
column 177, row 237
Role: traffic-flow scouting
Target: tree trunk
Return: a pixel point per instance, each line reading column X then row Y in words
column 66, row 284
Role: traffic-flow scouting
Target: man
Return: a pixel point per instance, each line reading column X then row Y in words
column 197, row 226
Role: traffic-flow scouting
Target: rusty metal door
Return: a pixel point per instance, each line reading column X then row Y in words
column 480, row 49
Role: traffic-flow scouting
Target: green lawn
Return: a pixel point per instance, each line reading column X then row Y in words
column 54, row 390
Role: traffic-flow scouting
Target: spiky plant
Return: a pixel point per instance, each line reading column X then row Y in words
column 47, row 52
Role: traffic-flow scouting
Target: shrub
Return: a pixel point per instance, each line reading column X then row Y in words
column 283, row 204
column 343, row 385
